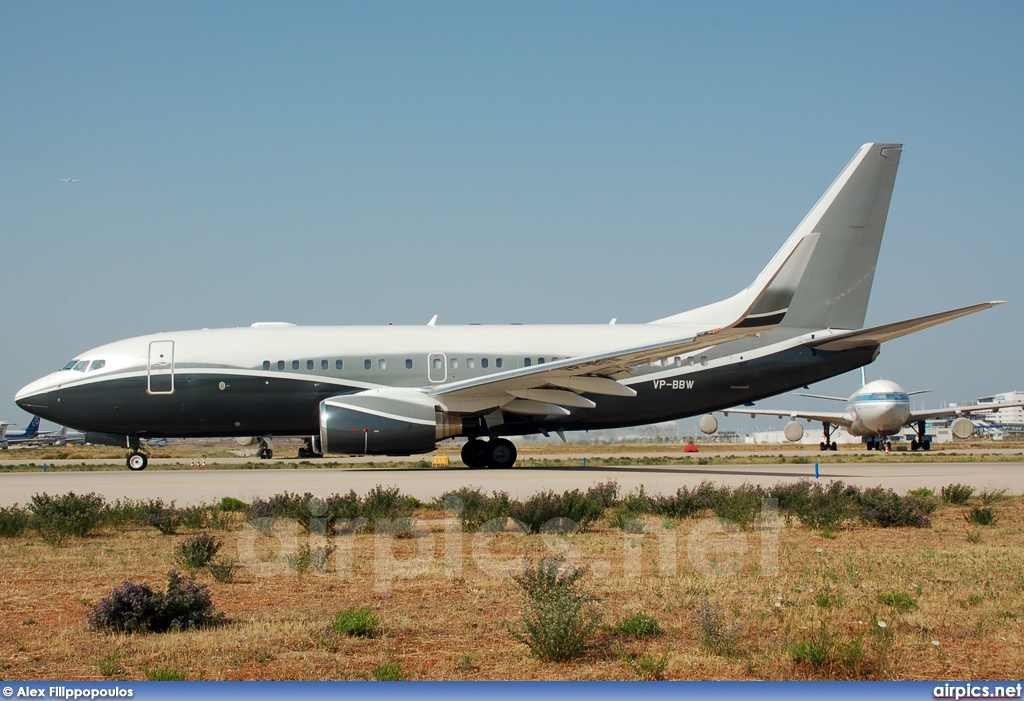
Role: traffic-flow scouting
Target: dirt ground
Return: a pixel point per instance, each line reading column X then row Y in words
column 943, row 602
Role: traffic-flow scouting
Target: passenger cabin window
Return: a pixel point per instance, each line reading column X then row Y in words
column 81, row 365
column 408, row 363
column 97, row 364
column 498, row 362
column 470, row 363
column 437, row 363
column 339, row 364
column 540, row 361
column 280, row 365
column 309, row 364
column 703, row 360
column 527, row 362
column 295, row 365
column 367, row 364
column 382, row 364
column 483, row 362
column 454, row 363
column 324, row 365
column 70, row 365
column 689, row 361
column 266, row 364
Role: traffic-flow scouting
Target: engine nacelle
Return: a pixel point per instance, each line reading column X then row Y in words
column 793, row 431
column 962, row 428
column 708, row 424
column 384, row 422
column 245, row 440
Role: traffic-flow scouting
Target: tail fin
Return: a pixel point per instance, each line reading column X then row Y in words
column 821, row 277
column 33, row 427
column 850, row 217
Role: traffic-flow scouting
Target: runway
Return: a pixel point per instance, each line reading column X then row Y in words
column 195, row 486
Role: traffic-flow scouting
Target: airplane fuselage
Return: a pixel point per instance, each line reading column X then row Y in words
column 270, row 380
column 879, row 408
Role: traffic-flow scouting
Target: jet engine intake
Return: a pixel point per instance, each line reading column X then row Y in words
column 384, row 422
column 962, row 428
column 793, row 431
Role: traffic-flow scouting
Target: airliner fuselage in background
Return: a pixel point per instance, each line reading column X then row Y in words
column 400, row 389
column 876, row 411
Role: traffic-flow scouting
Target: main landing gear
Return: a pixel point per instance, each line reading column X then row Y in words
column 266, row 452
column 879, row 444
column 308, row 451
column 828, row 443
column 497, row 453
column 921, row 442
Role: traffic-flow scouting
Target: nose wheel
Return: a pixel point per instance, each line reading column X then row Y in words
column 137, row 462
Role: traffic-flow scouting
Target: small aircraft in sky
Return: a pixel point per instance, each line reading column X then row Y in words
column 68, row 180
column 877, row 411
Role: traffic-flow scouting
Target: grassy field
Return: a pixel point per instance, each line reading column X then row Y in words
column 941, row 602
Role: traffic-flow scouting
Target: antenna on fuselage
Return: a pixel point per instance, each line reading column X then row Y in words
column 433, row 321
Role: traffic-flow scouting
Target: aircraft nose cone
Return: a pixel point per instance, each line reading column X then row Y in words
column 33, row 396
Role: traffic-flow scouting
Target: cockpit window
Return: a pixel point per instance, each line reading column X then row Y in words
column 81, row 365
column 70, row 365
column 97, row 364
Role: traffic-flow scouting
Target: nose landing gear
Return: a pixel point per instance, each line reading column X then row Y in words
column 138, row 455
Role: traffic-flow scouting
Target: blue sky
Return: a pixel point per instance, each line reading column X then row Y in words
column 343, row 163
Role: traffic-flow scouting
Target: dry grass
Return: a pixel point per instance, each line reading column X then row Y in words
column 969, row 597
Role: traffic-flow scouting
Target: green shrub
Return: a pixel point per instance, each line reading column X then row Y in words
column 166, row 518
column 638, row 626
column 555, row 625
column 388, row 672
column 884, row 507
column 57, row 518
column 361, row 623
column 222, row 570
column 648, row 668
column 826, row 599
column 981, row 516
column 233, row 505
column 626, row 520
column 197, row 551
column 195, row 518
column 898, row 600
column 837, row 657
column 992, row 496
column 135, row 608
column 164, row 674
column 957, row 494
column 306, row 559
column 13, row 521
column 719, row 634
column 110, row 666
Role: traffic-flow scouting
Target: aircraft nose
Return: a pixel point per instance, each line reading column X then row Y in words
column 33, row 396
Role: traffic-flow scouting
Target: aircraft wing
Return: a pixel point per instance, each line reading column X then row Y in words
column 833, row 417
column 847, row 340
column 546, row 389
column 594, row 374
column 960, row 410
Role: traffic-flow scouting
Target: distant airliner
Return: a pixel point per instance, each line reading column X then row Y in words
column 876, row 411
column 67, row 180
column 392, row 390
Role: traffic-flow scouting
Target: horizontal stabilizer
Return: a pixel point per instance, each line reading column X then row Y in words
column 876, row 335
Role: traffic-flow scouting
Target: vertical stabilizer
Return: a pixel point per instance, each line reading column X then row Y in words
column 850, row 218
